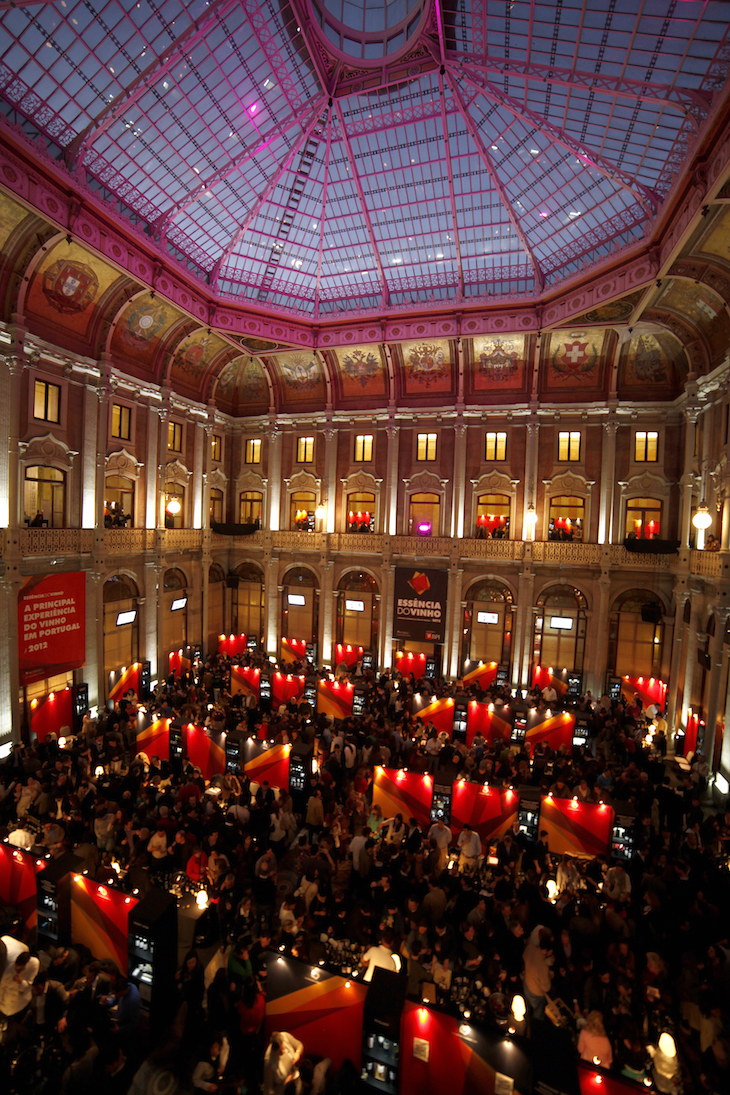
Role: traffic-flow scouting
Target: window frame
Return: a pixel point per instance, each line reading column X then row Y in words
column 367, row 447
column 123, row 406
column 570, row 434
column 252, row 447
column 646, row 435
column 496, row 435
column 305, row 444
column 427, row 436
column 53, row 382
column 173, row 425
column 216, row 444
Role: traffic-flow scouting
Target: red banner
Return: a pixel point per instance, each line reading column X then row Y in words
column 124, row 680
column 245, row 679
column 495, row 723
column 554, row 731
column 541, row 677
column 396, row 791
column 271, row 764
column 205, row 754
column 335, row 698
column 100, row 920
column 407, row 663
column 51, row 625
column 155, row 740
column 347, row 655
column 18, row 870
column 179, row 662
column 576, row 828
column 293, row 650
column 483, row 672
column 231, row 645
column 488, row 810
column 439, row 712
column 53, row 714
column 649, row 689
column 690, row 737
column 285, row 687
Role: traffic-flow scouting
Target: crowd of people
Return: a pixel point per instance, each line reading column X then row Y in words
column 620, row 952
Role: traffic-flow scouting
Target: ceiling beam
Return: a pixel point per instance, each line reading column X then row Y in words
column 260, row 25
column 363, row 204
column 322, row 217
column 580, row 149
column 496, row 182
column 452, row 195
column 692, row 104
column 260, row 142
column 178, row 51
column 265, row 194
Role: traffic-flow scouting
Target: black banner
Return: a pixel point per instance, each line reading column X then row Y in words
column 420, row 604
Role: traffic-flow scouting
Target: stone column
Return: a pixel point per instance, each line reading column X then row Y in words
column 690, row 656
column 205, row 561
column 386, row 614
column 152, row 620
column 201, row 458
column 329, row 488
column 600, row 659
column 91, row 447
column 274, row 476
column 452, row 633
column 10, row 564
column 530, row 495
column 94, row 671
column 691, row 414
column 523, row 624
column 272, row 593
column 458, row 481
column 326, row 609
column 608, row 481
column 152, row 475
column 162, row 440
column 10, row 717
column 680, row 597
column 390, row 524
column 10, row 454
column 102, row 419
column 713, row 696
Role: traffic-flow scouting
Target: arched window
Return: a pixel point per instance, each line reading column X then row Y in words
column 358, row 610
column 300, row 605
column 566, row 517
column 44, row 497
column 174, row 506
column 361, row 511
column 249, row 601
column 487, row 627
column 636, row 634
column 216, row 506
column 643, row 518
column 560, row 628
column 424, row 514
column 250, row 507
column 118, row 502
column 175, row 611
column 302, row 505
column 492, row 519
column 121, row 623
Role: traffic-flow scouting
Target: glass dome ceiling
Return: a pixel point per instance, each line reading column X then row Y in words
column 330, row 156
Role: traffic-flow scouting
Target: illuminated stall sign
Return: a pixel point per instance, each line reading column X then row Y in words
column 576, row 828
column 489, row 810
column 335, row 698
column 51, row 625
column 396, row 791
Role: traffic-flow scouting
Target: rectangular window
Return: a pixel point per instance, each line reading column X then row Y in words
column 496, row 447
column 216, row 448
column 569, row 445
column 363, row 448
column 253, row 450
column 174, row 437
column 47, row 401
column 426, row 446
column 646, row 447
column 121, row 422
column 305, row 450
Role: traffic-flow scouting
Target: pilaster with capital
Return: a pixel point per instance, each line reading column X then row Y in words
column 522, row 659
column 152, row 616
column 152, row 470
column 452, row 636
column 326, row 612
column 10, row 724
column 531, row 451
column 608, row 481
column 690, row 654
column 10, row 393
column 720, row 614
column 272, row 593
column 691, row 414
column 274, row 438
column 386, row 616
column 391, row 483
column 598, row 659
column 680, row 600
column 94, row 674
column 329, row 497
column 458, row 481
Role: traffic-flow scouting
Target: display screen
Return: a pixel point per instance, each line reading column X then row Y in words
column 561, row 623
column 355, row 606
column 297, row 774
column 264, row 687
column 296, row 599
column 441, row 806
column 487, row 618
column 179, row 603
column 358, row 703
column 126, row 617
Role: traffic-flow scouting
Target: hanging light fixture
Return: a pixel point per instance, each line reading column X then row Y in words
column 531, row 517
column 702, row 519
column 173, row 506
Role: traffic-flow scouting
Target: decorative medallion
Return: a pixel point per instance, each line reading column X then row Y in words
column 70, row 286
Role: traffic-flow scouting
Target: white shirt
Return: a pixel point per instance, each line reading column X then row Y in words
column 378, row 956
column 278, row 1066
column 16, row 995
column 441, row 836
column 356, row 845
column 469, row 843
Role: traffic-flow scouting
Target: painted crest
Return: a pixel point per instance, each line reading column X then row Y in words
column 427, row 363
column 70, row 286
column 145, row 322
column 647, row 360
column 300, row 372
column 499, row 364
column 575, row 357
column 360, row 365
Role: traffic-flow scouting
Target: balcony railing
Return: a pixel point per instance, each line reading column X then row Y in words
column 131, row 542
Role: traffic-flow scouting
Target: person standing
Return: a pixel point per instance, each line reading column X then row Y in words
column 282, row 1056
column 440, row 834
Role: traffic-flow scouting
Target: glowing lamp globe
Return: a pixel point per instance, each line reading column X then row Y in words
column 702, row 519
column 519, row 1008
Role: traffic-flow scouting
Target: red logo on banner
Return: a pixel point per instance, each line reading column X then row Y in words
column 51, row 625
column 419, row 583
